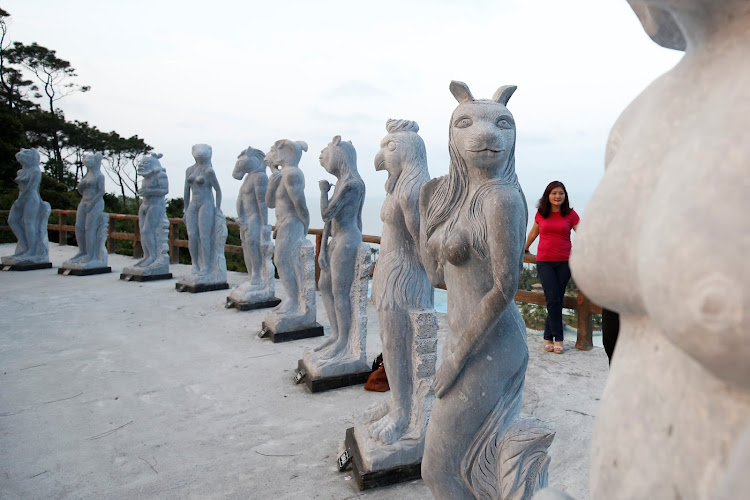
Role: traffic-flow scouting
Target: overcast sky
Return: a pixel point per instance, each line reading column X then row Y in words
column 236, row 74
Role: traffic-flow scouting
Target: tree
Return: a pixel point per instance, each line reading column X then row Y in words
column 13, row 86
column 54, row 74
column 121, row 157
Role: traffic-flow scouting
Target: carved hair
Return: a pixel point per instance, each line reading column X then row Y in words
column 259, row 155
column 30, row 153
column 414, row 172
column 344, row 155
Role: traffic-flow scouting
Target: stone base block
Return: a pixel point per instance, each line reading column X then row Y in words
column 248, row 306
column 367, row 479
column 210, row 287
column 145, row 277
column 83, row 272
column 321, row 384
column 304, row 333
column 25, row 267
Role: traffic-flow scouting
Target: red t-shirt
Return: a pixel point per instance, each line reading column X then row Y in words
column 554, row 235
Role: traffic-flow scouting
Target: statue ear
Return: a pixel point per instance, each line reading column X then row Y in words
column 286, row 143
column 158, row 155
column 502, row 95
column 336, row 140
column 99, row 156
column 302, row 144
column 461, row 92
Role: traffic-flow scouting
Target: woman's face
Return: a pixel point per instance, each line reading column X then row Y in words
column 557, row 197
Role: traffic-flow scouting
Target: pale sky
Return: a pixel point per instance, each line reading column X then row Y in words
column 236, row 74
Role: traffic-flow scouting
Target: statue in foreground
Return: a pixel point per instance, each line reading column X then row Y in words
column 345, row 264
column 392, row 432
column 255, row 234
column 28, row 217
column 91, row 222
column 294, row 254
column 153, row 222
column 206, row 226
column 473, row 224
column 677, row 399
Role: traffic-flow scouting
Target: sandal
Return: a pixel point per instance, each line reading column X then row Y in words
column 548, row 347
column 558, row 348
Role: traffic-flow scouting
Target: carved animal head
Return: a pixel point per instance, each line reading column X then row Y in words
column 150, row 164
column 401, row 151
column 202, row 152
column 482, row 131
column 249, row 160
column 93, row 161
column 28, row 157
column 339, row 158
column 285, row 153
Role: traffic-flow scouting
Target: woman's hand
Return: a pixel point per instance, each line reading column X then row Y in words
column 447, row 374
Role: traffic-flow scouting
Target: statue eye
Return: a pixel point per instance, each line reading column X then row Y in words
column 464, row 123
column 504, row 123
column 391, row 146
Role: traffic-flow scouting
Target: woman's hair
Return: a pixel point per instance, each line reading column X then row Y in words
column 545, row 207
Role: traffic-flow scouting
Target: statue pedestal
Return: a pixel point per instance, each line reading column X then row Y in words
column 321, row 384
column 249, row 306
column 145, row 277
column 373, row 477
column 315, row 330
column 25, row 267
column 69, row 271
column 200, row 287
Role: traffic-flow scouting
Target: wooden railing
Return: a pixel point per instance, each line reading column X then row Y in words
column 581, row 304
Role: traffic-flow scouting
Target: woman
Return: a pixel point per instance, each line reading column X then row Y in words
column 552, row 223
column 472, row 234
column 89, row 218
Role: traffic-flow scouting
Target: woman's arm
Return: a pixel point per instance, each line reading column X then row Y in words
column 342, row 195
column 215, row 183
column 99, row 192
column 504, row 257
column 186, row 195
column 533, row 235
column 432, row 267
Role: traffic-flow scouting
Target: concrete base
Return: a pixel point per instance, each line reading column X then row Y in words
column 180, row 287
column 321, row 384
column 249, row 306
column 145, row 277
column 305, row 333
column 66, row 271
column 367, row 479
column 25, row 267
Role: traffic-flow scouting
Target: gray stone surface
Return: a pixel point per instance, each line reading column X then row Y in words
column 255, row 232
column 91, row 220
column 205, row 222
column 152, row 219
column 673, row 264
column 29, row 214
column 473, row 224
column 392, row 432
column 345, row 264
column 294, row 254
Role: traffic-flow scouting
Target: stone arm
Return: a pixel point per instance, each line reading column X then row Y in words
column 261, row 188
column 410, row 208
column 186, row 195
column 215, row 183
column 161, row 187
column 295, row 187
column 273, row 185
column 29, row 180
column 503, row 249
column 345, row 193
column 99, row 193
column 432, row 266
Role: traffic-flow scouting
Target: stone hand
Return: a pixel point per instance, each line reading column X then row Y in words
column 447, row 374
column 325, row 186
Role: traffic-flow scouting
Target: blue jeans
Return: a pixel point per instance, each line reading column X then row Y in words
column 554, row 276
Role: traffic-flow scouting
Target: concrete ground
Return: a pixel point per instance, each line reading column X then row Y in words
column 126, row 390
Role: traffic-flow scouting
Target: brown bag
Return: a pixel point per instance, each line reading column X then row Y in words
column 378, row 380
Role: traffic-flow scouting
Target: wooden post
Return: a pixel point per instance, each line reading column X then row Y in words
column 62, row 236
column 137, row 247
column 584, row 341
column 318, row 241
column 174, row 251
column 110, row 240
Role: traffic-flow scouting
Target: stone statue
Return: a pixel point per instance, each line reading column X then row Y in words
column 345, row 265
column 206, row 226
column 473, row 224
column 673, row 265
column 294, row 254
column 255, row 233
column 153, row 221
column 91, row 221
column 28, row 216
column 400, row 290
